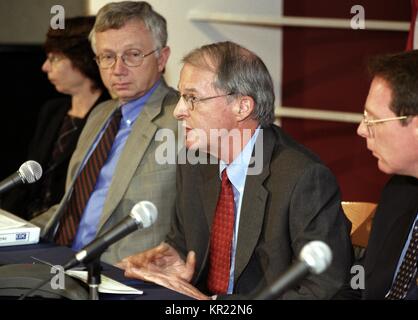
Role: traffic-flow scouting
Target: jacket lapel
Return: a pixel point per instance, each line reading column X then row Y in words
column 139, row 139
column 89, row 135
column 253, row 205
column 394, row 217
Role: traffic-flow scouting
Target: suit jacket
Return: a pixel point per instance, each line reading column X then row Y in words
column 395, row 214
column 294, row 200
column 137, row 176
column 27, row 199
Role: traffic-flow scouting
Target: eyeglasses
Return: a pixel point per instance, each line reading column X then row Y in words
column 192, row 100
column 54, row 58
column 370, row 124
column 131, row 58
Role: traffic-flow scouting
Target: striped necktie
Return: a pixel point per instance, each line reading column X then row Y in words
column 85, row 183
column 407, row 269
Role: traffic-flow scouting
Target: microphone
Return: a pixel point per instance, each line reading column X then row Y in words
column 142, row 216
column 315, row 257
column 29, row 172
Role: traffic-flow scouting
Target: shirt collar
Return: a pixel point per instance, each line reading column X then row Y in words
column 237, row 169
column 130, row 110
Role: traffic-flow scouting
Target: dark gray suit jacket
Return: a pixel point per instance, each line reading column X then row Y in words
column 395, row 214
column 293, row 201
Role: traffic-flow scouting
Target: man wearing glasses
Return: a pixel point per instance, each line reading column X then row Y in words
column 114, row 166
column 390, row 127
column 237, row 229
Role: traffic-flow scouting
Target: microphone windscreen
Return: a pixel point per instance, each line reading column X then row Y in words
column 30, row 171
column 145, row 213
column 317, row 255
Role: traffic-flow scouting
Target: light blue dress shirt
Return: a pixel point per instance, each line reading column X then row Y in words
column 237, row 174
column 89, row 222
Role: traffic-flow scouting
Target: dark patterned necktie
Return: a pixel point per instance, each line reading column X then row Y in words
column 85, row 183
column 407, row 269
column 221, row 239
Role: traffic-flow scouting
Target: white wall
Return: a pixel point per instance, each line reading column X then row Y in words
column 27, row 21
column 184, row 35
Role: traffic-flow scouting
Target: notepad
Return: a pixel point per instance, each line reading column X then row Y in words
column 107, row 284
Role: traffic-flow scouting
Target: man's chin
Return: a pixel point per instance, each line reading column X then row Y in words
column 384, row 168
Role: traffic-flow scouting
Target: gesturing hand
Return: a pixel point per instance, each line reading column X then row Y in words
column 164, row 266
column 162, row 259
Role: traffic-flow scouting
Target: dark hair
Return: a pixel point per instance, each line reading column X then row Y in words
column 240, row 71
column 73, row 42
column 401, row 73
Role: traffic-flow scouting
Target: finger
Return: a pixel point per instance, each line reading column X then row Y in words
column 123, row 264
column 135, row 273
column 165, row 249
column 190, row 266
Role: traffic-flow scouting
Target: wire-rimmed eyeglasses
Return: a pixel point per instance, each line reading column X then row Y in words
column 131, row 58
column 191, row 100
column 370, row 123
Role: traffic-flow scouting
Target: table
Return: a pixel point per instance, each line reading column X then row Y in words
column 58, row 255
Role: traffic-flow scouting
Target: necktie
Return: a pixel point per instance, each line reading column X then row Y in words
column 407, row 269
column 85, row 183
column 221, row 239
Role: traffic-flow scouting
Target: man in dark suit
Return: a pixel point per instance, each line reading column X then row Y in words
column 280, row 195
column 390, row 126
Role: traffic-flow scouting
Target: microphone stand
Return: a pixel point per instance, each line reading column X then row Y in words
column 94, row 269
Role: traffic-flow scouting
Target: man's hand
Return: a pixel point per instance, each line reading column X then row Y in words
column 172, row 282
column 162, row 259
column 164, row 266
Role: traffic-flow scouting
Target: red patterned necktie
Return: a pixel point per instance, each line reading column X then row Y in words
column 407, row 269
column 221, row 239
column 85, row 183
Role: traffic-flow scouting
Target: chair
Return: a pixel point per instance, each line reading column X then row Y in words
column 361, row 216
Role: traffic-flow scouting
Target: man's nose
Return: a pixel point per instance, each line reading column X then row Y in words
column 181, row 110
column 362, row 130
column 119, row 66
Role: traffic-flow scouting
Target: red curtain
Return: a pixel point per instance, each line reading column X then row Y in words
column 412, row 29
column 326, row 69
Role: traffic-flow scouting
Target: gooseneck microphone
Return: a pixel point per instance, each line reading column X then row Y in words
column 29, row 172
column 315, row 257
column 142, row 216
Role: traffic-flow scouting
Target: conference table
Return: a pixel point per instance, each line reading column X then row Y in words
column 58, row 255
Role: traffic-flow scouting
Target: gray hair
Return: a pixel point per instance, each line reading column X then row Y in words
column 115, row 15
column 238, row 71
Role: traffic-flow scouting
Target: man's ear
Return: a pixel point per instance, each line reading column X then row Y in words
column 164, row 54
column 245, row 107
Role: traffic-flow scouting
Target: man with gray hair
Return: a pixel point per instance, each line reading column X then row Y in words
column 237, row 229
column 114, row 166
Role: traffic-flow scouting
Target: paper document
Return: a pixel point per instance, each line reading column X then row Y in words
column 15, row 231
column 107, row 284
